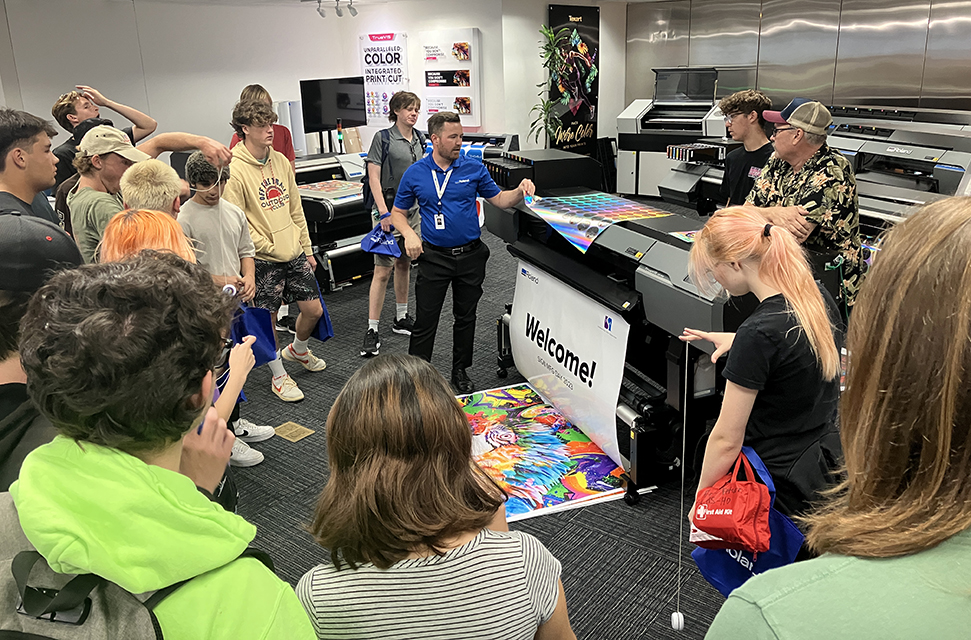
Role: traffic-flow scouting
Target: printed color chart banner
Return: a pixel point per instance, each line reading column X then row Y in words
column 385, row 61
column 571, row 350
column 542, row 461
column 580, row 219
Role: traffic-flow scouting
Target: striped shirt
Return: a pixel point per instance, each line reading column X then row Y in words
column 500, row 585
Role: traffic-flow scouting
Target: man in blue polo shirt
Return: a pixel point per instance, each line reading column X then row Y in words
column 446, row 187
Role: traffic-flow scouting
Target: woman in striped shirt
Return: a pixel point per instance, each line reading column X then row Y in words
column 418, row 542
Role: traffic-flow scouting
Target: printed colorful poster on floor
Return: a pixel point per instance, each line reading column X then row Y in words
column 572, row 351
column 535, row 454
column 384, row 57
column 576, row 83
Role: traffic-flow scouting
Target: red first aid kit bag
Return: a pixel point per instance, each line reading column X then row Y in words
column 735, row 511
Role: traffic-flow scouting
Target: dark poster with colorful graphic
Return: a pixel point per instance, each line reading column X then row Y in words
column 576, row 84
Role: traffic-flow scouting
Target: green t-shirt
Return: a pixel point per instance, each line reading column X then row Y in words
column 91, row 211
column 925, row 595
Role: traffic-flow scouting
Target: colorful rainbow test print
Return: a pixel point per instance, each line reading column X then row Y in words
column 580, row 219
column 542, row 461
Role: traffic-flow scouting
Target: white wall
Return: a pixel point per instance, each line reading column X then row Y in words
column 185, row 64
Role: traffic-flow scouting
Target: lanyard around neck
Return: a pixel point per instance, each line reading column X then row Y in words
column 440, row 188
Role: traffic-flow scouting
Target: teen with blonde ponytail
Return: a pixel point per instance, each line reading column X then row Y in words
column 782, row 371
column 896, row 535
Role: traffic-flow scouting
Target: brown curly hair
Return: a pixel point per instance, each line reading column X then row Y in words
column 746, row 101
column 115, row 352
column 251, row 113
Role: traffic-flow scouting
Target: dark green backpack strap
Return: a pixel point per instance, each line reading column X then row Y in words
column 162, row 594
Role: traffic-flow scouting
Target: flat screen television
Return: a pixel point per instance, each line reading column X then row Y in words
column 326, row 100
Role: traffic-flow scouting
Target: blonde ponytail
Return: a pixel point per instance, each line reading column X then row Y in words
column 736, row 234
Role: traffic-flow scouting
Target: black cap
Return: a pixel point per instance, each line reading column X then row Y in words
column 31, row 249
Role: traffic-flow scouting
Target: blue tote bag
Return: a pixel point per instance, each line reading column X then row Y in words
column 381, row 242
column 257, row 322
column 728, row 569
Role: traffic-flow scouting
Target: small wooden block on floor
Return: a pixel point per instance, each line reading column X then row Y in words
column 292, row 431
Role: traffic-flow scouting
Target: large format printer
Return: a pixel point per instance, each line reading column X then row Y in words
column 900, row 165
column 683, row 110
column 639, row 270
column 901, row 159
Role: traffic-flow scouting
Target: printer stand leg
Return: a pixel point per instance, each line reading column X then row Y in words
column 631, row 497
column 504, row 359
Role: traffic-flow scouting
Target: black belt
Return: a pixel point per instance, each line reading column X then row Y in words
column 455, row 251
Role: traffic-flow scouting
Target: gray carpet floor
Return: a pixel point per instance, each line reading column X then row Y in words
column 620, row 563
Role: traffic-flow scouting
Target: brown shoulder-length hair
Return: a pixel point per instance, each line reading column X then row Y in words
column 906, row 413
column 402, row 476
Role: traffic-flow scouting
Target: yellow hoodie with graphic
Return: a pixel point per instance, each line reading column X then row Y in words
column 267, row 193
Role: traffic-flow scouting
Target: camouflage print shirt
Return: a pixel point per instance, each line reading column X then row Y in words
column 826, row 188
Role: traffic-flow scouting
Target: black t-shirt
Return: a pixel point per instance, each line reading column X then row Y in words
column 40, row 207
column 22, row 429
column 741, row 169
column 795, row 407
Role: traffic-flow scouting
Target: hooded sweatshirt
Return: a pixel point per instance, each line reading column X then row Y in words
column 267, row 194
column 93, row 509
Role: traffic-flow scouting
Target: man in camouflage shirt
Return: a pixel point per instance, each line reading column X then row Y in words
column 809, row 189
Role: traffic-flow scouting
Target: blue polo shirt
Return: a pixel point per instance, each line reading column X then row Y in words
column 469, row 179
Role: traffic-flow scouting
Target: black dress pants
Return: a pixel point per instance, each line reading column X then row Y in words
column 437, row 270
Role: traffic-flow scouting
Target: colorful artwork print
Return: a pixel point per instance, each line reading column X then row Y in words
column 580, row 219
column 461, row 51
column 332, row 186
column 687, row 236
column 531, row 451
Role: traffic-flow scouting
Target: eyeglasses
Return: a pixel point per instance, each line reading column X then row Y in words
column 730, row 117
column 775, row 131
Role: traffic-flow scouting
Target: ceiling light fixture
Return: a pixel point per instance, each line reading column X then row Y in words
column 320, row 10
column 337, row 9
column 351, row 9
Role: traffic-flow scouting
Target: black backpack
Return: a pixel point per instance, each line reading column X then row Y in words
column 37, row 604
column 388, row 192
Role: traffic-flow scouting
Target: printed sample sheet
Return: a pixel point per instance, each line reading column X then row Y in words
column 580, row 219
column 541, row 460
column 687, row 236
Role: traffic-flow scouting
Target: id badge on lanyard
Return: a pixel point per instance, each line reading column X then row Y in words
column 440, row 190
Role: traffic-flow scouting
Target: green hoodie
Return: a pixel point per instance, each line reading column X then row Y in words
column 93, row 509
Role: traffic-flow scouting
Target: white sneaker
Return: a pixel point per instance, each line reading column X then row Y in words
column 286, row 389
column 243, row 456
column 309, row 361
column 249, row 432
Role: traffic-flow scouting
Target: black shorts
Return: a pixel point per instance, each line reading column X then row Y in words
column 279, row 283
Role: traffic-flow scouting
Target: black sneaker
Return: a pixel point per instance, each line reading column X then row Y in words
column 287, row 323
column 372, row 342
column 460, row 381
column 404, row 326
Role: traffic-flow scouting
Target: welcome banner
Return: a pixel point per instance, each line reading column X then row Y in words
column 571, row 350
